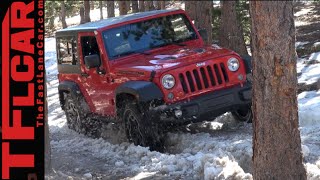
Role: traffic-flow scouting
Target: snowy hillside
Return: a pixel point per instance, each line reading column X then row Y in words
column 212, row 150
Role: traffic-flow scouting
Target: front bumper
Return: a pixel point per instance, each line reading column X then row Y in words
column 206, row 107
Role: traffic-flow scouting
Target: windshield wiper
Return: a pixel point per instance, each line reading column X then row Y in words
column 131, row 52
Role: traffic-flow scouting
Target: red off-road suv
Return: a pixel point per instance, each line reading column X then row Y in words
column 148, row 70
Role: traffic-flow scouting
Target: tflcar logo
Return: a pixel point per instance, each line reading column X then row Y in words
column 19, row 86
column 200, row 64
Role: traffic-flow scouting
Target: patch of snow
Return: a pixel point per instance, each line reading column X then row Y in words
column 305, row 150
column 143, row 175
column 316, row 44
column 313, row 171
column 309, row 105
column 315, row 56
column 300, row 44
column 309, row 72
column 50, row 56
column 94, row 16
column 303, row 12
column 87, row 175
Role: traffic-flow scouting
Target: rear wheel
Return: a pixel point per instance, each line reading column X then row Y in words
column 243, row 114
column 141, row 129
column 78, row 119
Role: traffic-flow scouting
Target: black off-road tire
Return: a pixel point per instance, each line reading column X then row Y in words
column 141, row 128
column 243, row 114
column 78, row 117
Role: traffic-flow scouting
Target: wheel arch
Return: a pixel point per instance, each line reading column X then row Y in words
column 140, row 91
column 73, row 89
column 248, row 63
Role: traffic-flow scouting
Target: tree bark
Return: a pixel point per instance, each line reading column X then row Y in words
column 128, row 3
column 82, row 18
column 110, row 8
column 276, row 138
column 158, row 3
column 141, row 6
column 51, row 19
column 135, row 6
column 86, row 4
column 231, row 33
column 149, row 5
column 101, row 11
column 201, row 13
column 63, row 15
column 163, row 4
column 91, row 5
column 123, row 7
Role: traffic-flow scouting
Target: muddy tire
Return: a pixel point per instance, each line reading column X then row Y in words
column 243, row 114
column 141, row 128
column 78, row 118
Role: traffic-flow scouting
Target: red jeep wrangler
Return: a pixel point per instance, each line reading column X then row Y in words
column 147, row 70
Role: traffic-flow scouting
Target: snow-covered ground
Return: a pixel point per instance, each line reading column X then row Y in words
column 310, row 73
column 221, row 149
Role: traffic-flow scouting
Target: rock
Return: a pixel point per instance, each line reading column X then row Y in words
column 119, row 163
column 87, row 175
column 308, row 87
column 312, row 61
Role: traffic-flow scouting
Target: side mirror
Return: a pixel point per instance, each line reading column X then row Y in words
column 92, row 61
column 204, row 34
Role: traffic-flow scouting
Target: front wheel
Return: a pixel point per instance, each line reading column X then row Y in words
column 243, row 114
column 141, row 128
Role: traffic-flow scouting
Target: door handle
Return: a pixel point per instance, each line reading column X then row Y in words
column 84, row 75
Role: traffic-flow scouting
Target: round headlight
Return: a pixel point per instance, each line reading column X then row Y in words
column 168, row 81
column 233, row 64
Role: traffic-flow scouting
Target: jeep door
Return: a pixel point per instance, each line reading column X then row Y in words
column 95, row 79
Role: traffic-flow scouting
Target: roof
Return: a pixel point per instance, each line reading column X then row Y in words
column 91, row 26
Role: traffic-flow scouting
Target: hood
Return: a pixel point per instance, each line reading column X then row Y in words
column 170, row 59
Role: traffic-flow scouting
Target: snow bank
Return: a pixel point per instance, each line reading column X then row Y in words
column 50, row 56
column 309, row 73
column 301, row 44
column 309, row 106
column 315, row 56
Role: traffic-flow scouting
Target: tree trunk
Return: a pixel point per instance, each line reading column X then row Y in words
column 276, row 138
column 101, row 12
column 91, row 4
column 141, row 6
column 86, row 4
column 231, row 33
column 149, row 5
column 63, row 15
column 110, row 8
column 158, row 3
column 135, row 6
column 201, row 13
column 123, row 7
column 51, row 19
column 128, row 3
column 163, row 4
column 82, row 18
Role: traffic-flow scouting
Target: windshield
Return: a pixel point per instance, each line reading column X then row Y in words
column 145, row 35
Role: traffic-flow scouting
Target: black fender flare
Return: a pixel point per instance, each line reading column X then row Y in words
column 144, row 91
column 72, row 88
column 248, row 63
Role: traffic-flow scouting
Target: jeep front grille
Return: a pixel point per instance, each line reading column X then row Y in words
column 204, row 77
